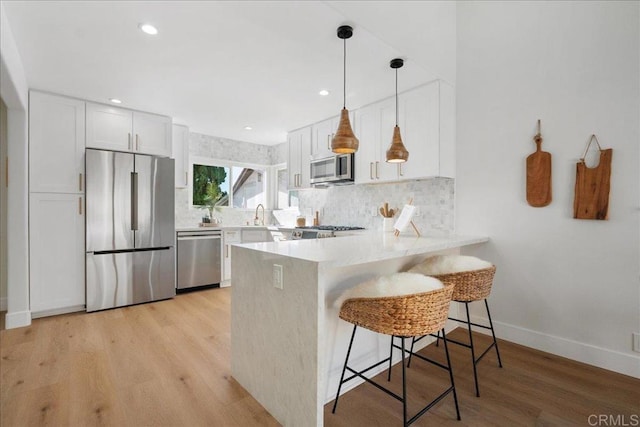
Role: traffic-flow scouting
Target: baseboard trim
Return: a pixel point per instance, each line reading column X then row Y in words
column 3, row 304
column 17, row 319
column 611, row 360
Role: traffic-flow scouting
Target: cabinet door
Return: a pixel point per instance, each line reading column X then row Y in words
column 305, row 158
column 367, row 130
column 56, row 265
column 419, row 124
column 180, row 148
column 228, row 237
column 152, row 134
column 386, row 111
column 293, row 162
column 321, row 136
column 109, row 128
column 56, row 144
column 299, row 158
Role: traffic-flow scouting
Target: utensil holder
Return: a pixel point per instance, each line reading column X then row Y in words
column 387, row 225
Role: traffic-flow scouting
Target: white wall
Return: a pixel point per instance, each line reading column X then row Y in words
column 14, row 92
column 566, row 286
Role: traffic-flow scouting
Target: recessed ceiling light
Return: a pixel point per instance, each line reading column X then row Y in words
column 248, row 128
column 149, row 29
column 323, row 92
column 115, row 100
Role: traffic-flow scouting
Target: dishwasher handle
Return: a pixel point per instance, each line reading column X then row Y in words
column 200, row 237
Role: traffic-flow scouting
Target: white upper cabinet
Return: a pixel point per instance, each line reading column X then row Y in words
column 374, row 129
column 56, row 143
column 152, row 134
column 109, row 127
column 322, row 134
column 299, row 158
column 427, row 126
column 119, row 129
column 180, row 144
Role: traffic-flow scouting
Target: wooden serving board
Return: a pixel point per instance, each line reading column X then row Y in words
column 539, row 176
column 592, row 188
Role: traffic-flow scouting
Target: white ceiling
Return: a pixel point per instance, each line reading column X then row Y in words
column 218, row 66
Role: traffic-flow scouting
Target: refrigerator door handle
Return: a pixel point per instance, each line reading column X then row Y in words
column 134, row 201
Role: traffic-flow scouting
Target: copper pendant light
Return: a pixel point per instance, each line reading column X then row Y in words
column 344, row 141
column 397, row 152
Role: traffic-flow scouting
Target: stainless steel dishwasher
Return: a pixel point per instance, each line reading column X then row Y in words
column 199, row 259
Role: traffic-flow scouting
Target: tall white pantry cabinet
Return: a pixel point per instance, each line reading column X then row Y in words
column 60, row 128
column 56, row 204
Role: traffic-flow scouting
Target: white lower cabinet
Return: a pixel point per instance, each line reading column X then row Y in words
column 229, row 236
column 56, row 246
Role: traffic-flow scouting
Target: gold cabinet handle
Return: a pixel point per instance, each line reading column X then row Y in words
column 400, row 165
column 80, row 181
column 186, row 178
column 329, row 142
column 371, row 170
column 226, row 251
column 377, row 176
column 80, row 205
column 129, row 141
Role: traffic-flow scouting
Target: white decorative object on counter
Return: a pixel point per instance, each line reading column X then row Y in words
column 387, row 225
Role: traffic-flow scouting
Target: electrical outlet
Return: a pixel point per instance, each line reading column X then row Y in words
column 278, row 276
column 636, row 341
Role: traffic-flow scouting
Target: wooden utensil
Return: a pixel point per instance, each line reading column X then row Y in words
column 592, row 186
column 539, row 175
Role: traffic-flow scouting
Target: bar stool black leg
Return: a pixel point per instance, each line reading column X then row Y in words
column 413, row 341
column 473, row 353
column 404, row 388
column 344, row 369
column 390, row 358
column 438, row 338
column 453, row 386
column 495, row 342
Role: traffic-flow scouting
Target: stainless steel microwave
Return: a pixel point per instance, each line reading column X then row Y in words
column 334, row 170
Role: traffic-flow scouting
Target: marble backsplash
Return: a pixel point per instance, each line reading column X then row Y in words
column 357, row 205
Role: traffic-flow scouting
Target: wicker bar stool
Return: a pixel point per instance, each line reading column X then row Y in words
column 401, row 316
column 471, row 285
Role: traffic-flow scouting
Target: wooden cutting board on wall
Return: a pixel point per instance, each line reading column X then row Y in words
column 539, row 175
column 592, row 188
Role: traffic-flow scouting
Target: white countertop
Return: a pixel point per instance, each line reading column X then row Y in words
column 224, row 227
column 363, row 248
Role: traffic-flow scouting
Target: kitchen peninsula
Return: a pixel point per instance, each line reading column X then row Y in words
column 287, row 342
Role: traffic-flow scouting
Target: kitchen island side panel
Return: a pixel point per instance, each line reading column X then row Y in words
column 274, row 334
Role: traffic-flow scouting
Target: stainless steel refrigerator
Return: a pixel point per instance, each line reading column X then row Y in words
column 130, row 239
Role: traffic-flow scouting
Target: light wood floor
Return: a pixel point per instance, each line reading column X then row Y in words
column 168, row 363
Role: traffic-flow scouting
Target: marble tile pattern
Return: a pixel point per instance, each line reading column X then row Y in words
column 274, row 335
column 357, row 205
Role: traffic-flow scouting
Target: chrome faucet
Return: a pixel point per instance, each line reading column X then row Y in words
column 255, row 221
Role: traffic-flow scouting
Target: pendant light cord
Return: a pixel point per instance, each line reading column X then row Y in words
column 396, row 97
column 344, row 75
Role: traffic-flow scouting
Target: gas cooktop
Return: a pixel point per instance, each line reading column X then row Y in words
column 330, row 227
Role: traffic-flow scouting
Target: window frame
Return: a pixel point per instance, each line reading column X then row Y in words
column 208, row 161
